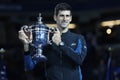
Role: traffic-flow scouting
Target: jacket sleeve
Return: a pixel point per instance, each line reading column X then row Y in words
column 29, row 64
column 77, row 55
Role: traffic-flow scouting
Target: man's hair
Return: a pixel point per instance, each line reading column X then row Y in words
column 61, row 6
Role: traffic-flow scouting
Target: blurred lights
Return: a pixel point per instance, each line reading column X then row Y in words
column 110, row 24
column 71, row 26
column 108, row 31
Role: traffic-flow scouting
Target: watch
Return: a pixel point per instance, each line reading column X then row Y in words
column 61, row 44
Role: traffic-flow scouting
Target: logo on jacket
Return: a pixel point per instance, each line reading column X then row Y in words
column 73, row 44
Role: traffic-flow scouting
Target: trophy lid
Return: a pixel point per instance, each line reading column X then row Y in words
column 39, row 19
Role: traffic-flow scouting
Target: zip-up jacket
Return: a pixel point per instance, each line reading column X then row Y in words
column 63, row 62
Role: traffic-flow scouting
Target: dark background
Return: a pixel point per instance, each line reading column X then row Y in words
column 87, row 14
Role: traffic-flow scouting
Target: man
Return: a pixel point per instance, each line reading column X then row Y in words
column 67, row 51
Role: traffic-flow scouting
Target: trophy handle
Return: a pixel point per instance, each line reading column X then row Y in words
column 50, row 34
column 27, row 30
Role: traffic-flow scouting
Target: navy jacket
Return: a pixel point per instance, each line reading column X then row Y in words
column 63, row 62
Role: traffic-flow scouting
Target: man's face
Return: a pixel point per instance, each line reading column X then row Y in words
column 63, row 18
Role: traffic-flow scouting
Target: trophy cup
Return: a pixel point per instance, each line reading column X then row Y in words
column 40, row 34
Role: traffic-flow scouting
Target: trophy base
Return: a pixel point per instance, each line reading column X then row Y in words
column 39, row 58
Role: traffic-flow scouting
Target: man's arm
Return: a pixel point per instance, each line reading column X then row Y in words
column 78, row 54
column 28, row 62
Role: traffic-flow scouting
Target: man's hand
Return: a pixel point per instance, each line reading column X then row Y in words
column 56, row 37
column 26, row 39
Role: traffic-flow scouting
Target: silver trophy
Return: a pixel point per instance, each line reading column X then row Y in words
column 40, row 34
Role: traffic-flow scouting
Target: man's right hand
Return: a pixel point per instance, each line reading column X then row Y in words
column 26, row 39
